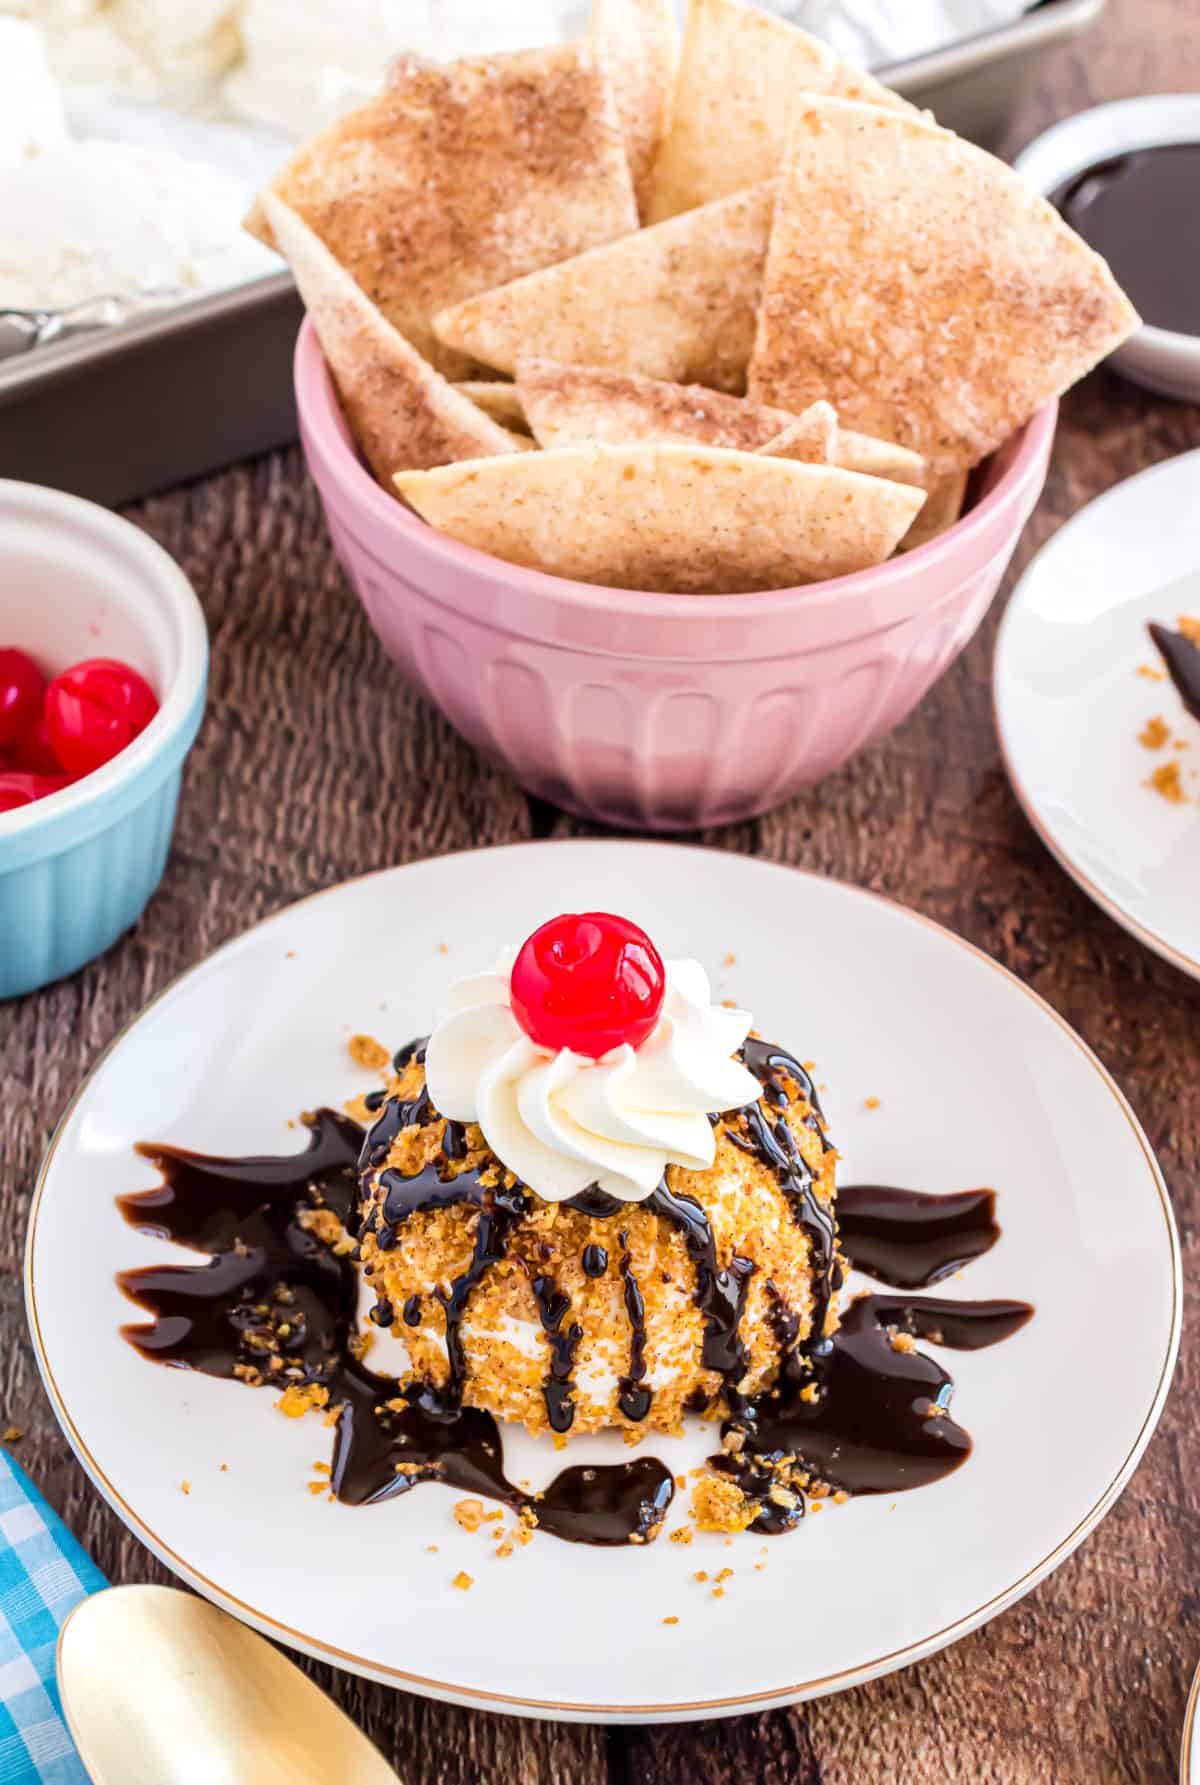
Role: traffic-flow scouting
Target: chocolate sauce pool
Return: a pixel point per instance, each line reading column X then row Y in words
column 1182, row 658
column 909, row 1240
column 275, row 1291
column 276, row 1306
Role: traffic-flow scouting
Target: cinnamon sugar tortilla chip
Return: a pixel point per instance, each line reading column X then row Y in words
column 851, row 450
column 461, row 176
column 571, row 405
column 742, row 73
column 880, row 458
column 638, row 45
column 497, row 399
column 921, row 287
column 675, row 302
column 401, row 412
column 577, row 405
column 811, row 437
column 680, row 519
column 943, row 506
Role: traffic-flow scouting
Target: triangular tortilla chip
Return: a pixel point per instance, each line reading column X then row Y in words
column 680, row 519
column 943, row 506
column 581, row 405
column 572, row 405
column 850, row 450
column 880, row 458
column 462, row 176
column 675, row 302
column 638, row 44
column 401, row 412
column 497, row 399
column 740, row 75
column 922, row 287
column 812, row 437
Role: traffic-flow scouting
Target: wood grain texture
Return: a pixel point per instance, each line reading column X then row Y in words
column 297, row 782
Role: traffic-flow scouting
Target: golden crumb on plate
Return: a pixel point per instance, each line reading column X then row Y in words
column 463, row 1581
column 366, row 1051
column 718, row 1504
column 468, row 1514
column 298, row 1399
column 1166, row 781
column 1154, row 733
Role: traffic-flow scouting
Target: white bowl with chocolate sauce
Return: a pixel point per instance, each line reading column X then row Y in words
column 1127, row 177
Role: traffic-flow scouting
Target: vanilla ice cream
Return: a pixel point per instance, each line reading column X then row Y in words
column 31, row 111
column 84, row 219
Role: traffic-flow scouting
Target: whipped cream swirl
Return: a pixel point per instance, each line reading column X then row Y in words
column 562, row 1122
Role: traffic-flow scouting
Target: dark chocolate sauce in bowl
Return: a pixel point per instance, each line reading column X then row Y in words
column 1139, row 211
column 276, row 1305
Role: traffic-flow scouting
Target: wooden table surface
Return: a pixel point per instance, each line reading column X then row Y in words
column 298, row 782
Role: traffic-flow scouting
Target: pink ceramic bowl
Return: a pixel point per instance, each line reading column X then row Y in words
column 664, row 712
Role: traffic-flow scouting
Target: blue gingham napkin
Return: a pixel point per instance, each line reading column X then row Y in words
column 43, row 1573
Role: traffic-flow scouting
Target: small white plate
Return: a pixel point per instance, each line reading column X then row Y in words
column 1070, row 704
column 978, row 1082
column 1160, row 359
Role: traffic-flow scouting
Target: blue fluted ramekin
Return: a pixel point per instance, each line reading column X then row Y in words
column 77, row 869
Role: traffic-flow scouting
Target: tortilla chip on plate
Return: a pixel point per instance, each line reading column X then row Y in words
column 922, row 287
column 401, row 412
column 461, row 176
column 498, row 399
column 638, row 45
column 741, row 75
column 943, row 506
column 676, row 302
column 680, row 519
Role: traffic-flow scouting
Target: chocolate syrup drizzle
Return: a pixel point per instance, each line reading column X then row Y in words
column 276, row 1304
column 633, row 1398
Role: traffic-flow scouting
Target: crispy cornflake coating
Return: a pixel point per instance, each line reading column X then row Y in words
column 506, row 1348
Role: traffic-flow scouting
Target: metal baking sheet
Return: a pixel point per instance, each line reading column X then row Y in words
column 119, row 414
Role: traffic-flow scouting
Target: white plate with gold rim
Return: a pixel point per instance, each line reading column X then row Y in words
column 977, row 1081
column 1073, row 699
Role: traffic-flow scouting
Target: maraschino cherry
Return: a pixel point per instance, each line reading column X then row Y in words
column 94, row 710
column 22, row 686
column 588, row 982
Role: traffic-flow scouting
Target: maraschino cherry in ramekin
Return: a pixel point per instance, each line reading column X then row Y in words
column 80, row 857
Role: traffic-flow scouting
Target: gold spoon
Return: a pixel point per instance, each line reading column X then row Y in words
column 1189, row 1757
column 161, row 1688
